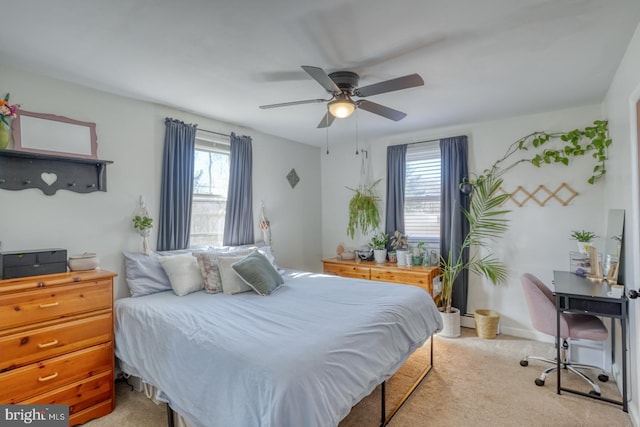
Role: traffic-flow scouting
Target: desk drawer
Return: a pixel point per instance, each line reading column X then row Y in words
column 31, row 380
column 28, row 307
column 27, row 346
column 347, row 271
column 591, row 306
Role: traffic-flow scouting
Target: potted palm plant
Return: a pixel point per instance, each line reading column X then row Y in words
column 486, row 222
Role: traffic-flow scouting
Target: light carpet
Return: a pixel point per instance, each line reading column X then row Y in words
column 474, row 382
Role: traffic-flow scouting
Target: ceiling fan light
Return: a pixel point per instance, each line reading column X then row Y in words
column 342, row 107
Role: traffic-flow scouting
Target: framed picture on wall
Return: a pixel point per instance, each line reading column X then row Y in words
column 51, row 134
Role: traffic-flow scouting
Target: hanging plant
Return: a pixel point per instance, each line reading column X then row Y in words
column 363, row 210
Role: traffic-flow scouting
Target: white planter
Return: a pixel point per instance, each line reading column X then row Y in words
column 380, row 255
column 583, row 247
column 450, row 323
column 402, row 257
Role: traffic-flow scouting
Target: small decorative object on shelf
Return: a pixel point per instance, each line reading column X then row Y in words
column 83, row 262
column 6, row 110
column 143, row 224
column 265, row 226
column 584, row 239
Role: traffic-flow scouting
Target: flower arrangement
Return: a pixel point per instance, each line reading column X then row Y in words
column 7, row 110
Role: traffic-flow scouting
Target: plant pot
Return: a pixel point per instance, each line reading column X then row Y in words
column 418, row 260
column 583, row 247
column 392, row 256
column 380, row 256
column 401, row 254
column 450, row 323
column 486, row 323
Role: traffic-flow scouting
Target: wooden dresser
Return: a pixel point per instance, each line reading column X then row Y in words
column 56, row 342
column 388, row 272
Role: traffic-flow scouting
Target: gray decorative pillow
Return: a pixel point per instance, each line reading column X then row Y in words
column 208, row 264
column 144, row 274
column 256, row 271
column 231, row 282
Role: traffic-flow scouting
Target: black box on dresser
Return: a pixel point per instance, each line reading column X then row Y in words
column 32, row 262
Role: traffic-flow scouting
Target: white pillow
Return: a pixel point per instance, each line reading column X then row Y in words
column 184, row 273
column 231, row 282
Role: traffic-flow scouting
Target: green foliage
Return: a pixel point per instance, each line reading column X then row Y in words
column 583, row 236
column 578, row 142
column 379, row 240
column 142, row 222
column 399, row 240
column 363, row 210
column 486, row 223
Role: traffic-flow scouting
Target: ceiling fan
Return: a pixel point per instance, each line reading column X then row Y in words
column 343, row 86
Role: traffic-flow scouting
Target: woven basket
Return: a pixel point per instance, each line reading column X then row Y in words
column 486, row 323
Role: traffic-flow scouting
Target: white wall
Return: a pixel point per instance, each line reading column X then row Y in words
column 131, row 134
column 538, row 240
column 622, row 190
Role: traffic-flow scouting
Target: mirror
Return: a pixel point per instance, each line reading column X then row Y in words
column 50, row 134
column 613, row 245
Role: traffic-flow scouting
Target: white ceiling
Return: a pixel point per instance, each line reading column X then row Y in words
column 480, row 60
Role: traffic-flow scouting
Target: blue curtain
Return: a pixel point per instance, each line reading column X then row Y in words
column 453, row 224
column 238, row 223
column 396, row 169
column 177, row 185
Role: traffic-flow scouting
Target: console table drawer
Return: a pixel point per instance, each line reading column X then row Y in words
column 45, row 304
column 32, row 380
column 26, row 346
column 405, row 277
column 347, row 271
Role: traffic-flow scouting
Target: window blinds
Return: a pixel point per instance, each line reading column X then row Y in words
column 422, row 191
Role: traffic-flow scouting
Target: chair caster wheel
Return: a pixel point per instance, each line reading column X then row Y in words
column 524, row 363
column 594, row 393
column 603, row 378
column 539, row 382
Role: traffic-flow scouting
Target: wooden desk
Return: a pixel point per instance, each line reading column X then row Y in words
column 576, row 294
column 414, row 275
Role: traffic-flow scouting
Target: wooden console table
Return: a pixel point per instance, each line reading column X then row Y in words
column 414, row 275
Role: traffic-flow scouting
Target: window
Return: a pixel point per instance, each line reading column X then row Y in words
column 210, row 185
column 422, row 192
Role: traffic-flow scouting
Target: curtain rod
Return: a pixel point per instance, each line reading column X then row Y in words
column 213, row 132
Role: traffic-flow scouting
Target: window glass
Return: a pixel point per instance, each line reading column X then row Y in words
column 210, row 185
column 422, row 192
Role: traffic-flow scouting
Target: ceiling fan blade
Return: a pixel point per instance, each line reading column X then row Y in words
column 381, row 110
column 286, row 104
column 326, row 121
column 323, row 78
column 400, row 83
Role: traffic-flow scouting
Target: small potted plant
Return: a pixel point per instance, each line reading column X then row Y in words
column 584, row 239
column 418, row 253
column 379, row 245
column 399, row 247
column 143, row 224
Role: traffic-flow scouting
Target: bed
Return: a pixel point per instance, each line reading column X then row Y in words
column 302, row 356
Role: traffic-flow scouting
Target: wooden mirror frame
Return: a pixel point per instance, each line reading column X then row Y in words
column 51, row 134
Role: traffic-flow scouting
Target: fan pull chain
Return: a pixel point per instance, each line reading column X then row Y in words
column 327, row 127
column 357, row 132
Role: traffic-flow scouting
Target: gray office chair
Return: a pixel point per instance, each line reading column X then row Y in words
column 542, row 308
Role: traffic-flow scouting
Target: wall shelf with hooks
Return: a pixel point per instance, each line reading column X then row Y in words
column 20, row 170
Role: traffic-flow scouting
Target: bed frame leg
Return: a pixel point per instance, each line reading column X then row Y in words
column 383, row 418
column 169, row 416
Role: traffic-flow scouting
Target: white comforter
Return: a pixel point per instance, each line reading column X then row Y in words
column 301, row 357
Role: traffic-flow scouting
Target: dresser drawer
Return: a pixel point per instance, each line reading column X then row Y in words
column 415, row 278
column 79, row 395
column 29, row 345
column 28, row 307
column 346, row 270
column 32, row 380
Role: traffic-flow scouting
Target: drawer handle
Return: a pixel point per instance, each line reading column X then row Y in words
column 50, row 377
column 51, row 304
column 48, row 344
